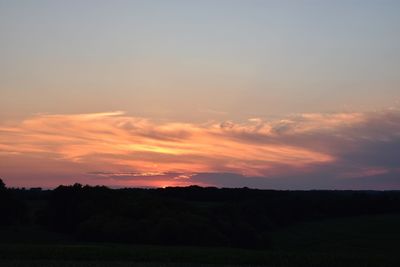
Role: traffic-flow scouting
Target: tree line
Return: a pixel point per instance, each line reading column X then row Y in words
column 235, row 217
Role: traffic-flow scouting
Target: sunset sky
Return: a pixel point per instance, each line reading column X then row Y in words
column 228, row 93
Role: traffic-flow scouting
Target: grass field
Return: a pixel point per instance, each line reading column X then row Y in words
column 360, row 241
column 369, row 234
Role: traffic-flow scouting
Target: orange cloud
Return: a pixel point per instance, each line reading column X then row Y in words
column 116, row 143
column 119, row 140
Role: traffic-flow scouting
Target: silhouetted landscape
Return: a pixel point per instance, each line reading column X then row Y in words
column 200, row 133
column 199, row 225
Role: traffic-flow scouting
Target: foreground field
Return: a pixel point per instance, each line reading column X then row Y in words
column 194, row 257
column 103, row 264
column 359, row 241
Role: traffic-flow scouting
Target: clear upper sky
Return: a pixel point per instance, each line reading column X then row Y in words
column 194, row 65
column 185, row 59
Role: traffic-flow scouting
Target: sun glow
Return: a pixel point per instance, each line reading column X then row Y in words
column 137, row 151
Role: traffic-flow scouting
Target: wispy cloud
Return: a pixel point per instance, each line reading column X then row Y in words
column 122, row 148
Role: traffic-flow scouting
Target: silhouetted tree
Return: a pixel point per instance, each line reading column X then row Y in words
column 12, row 209
column 2, row 185
column 193, row 215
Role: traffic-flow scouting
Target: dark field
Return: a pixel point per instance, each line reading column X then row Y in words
column 362, row 241
column 86, row 226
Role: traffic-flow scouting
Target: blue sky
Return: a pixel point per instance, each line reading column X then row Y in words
column 245, row 58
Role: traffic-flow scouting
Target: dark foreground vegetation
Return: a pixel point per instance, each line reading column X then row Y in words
column 96, row 226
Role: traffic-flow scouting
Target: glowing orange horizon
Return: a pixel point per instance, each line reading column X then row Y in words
column 112, row 142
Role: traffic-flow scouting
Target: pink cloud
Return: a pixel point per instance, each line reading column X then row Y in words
column 120, row 146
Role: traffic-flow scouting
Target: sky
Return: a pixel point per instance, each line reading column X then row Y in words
column 227, row 93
